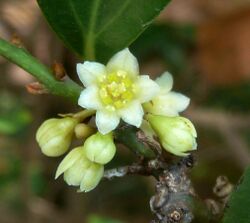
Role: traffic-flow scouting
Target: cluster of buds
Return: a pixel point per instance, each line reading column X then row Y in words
column 114, row 92
column 82, row 166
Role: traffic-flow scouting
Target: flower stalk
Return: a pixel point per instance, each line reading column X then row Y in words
column 82, row 115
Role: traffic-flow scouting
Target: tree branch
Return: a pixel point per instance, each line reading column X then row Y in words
column 148, row 168
column 125, row 170
column 175, row 199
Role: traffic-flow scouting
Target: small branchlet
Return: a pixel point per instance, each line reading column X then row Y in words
column 145, row 168
column 222, row 190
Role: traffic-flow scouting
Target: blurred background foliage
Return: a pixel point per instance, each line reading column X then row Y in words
column 204, row 44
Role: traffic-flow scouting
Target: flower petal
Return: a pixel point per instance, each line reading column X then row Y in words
column 177, row 101
column 169, row 104
column 74, row 174
column 91, row 177
column 89, row 98
column 165, row 81
column 132, row 114
column 88, row 72
column 69, row 160
column 124, row 60
column 146, row 88
column 106, row 121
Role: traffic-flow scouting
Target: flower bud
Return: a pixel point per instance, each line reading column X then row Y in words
column 80, row 171
column 177, row 134
column 54, row 135
column 100, row 148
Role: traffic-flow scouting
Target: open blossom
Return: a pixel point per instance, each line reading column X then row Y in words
column 116, row 91
column 167, row 102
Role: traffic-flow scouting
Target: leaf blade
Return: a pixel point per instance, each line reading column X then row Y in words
column 239, row 203
column 99, row 28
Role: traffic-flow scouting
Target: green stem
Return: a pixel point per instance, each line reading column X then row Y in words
column 82, row 115
column 127, row 136
column 23, row 59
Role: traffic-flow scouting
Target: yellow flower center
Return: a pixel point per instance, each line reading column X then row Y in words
column 116, row 90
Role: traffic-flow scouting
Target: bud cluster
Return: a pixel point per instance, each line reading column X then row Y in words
column 84, row 165
column 78, row 170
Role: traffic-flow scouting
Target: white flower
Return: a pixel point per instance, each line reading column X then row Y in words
column 115, row 91
column 167, row 102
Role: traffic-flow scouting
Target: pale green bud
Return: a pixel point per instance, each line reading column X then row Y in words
column 54, row 135
column 100, row 148
column 80, row 171
column 177, row 134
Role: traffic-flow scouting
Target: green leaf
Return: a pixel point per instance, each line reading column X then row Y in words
column 97, row 29
column 238, row 210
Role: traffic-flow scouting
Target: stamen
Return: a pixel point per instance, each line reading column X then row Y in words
column 116, row 90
